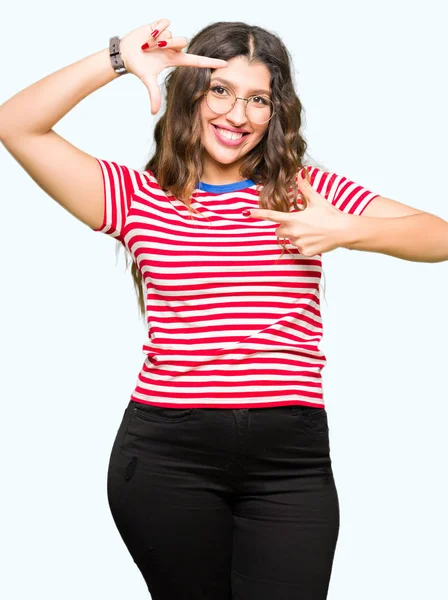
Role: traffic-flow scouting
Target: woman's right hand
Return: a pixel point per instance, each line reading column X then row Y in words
column 147, row 64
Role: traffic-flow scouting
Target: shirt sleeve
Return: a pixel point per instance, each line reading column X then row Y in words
column 119, row 183
column 344, row 194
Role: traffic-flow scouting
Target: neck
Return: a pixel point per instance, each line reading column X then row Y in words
column 215, row 173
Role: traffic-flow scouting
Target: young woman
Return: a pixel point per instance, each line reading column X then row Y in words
column 220, row 479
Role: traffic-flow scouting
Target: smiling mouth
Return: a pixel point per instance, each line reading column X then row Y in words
column 226, row 140
column 218, row 127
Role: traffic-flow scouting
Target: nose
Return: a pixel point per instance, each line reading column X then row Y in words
column 237, row 115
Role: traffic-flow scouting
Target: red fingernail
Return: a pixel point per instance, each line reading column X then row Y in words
column 246, row 213
column 161, row 44
column 155, row 33
column 145, row 46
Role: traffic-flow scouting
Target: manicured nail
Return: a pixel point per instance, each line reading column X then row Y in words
column 145, row 46
column 155, row 33
column 246, row 213
column 161, row 44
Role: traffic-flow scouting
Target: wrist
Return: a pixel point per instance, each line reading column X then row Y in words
column 116, row 58
column 350, row 231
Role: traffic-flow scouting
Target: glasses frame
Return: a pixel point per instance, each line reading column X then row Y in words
column 246, row 100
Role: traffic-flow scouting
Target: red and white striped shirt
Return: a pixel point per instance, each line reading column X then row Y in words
column 229, row 324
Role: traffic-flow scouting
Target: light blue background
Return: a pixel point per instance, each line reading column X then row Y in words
column 372, row 78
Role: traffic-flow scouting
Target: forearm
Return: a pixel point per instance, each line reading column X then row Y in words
column 418, row 238
column 37, row 108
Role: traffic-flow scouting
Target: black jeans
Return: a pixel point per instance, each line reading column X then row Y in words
column 224, row 504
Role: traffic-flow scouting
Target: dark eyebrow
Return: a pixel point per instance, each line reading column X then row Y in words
column 229, row 83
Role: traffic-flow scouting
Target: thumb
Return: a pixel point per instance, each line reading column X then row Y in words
column 154, row 94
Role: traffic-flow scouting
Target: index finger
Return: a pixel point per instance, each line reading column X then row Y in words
column 270, row 215
column 196, row 60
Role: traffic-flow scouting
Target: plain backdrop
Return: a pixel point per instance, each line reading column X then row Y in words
column 372, row 78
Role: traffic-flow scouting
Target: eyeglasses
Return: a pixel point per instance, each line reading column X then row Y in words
column 259, row 109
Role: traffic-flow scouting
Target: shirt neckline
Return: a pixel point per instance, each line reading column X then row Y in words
column 225, row 187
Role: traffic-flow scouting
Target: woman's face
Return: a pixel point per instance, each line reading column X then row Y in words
column 244, row 80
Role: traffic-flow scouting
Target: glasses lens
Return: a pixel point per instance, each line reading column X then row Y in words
column 259, row 108
column 220, row 99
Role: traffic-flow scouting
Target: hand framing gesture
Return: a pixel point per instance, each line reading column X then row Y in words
column 147, row 64
column 319, row 228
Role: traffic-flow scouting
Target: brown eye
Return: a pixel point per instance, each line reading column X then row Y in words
column 218, row 87
column 260, row 100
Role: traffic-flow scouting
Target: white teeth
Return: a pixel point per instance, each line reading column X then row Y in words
column 230, row 134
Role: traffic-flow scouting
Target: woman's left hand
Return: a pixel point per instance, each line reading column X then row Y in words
column 319, row 228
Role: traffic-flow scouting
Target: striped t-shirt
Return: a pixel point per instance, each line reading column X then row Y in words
column 230, row 324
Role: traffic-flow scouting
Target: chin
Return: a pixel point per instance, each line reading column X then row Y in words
column 225, row 158
column 227, row 155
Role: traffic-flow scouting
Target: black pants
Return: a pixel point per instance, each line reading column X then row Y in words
column 223, row 504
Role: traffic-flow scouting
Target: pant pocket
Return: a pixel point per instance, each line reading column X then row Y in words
column 312, row 420
column 151, row 412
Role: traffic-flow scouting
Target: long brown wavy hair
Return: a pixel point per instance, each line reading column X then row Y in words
column 273, row 164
